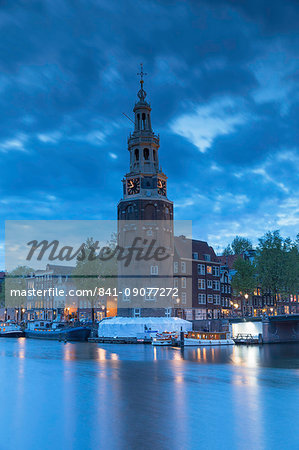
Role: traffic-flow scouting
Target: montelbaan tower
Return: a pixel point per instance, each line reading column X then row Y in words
column 146, row 212
column 145, row 185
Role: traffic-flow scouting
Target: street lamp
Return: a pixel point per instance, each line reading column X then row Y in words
column 246, row 296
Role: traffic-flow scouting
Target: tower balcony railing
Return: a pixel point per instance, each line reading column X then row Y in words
column 146, row 136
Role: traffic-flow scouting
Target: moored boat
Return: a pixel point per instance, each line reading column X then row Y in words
column 59, row 331
column 165, row 338
column 10, row 329
column 199, row 338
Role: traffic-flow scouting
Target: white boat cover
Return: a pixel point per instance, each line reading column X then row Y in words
column 141, row 327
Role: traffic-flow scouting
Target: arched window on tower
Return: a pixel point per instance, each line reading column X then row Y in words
column 138, row 121
column 136, row 154
column 150, row 212
column 143, row 121
column 154, row 154
column 130, row 213
column 146, row 154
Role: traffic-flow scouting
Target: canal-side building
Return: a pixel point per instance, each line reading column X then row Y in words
column 228, row 307
column 53, row 283
column 198, row 279
column 257, row 303
column 58, row 299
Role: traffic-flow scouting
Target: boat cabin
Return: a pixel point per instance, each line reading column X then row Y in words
column 44, row 325
column 202, row 335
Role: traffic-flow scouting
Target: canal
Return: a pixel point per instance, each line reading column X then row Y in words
column 91, row 396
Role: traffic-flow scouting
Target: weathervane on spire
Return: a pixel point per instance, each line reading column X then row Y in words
column 141, row 94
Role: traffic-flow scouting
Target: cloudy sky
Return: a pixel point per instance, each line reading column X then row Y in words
column 222, row 80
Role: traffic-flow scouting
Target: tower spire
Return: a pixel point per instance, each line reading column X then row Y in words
column 141, row 93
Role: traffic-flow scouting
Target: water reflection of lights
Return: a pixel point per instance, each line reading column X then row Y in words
column 248, row 358
column 68, row 353
column 247, row 400
column 21, row 355
column 179, row 379
column 179, row 399
column 177, row 356
column 198, row 353
column 104, row 355
column 101, row 353
column 213, row 354
column 22, row 344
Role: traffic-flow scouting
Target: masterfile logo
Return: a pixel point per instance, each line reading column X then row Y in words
column 52, row 263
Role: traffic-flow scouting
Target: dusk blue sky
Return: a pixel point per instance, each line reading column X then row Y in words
column 222, row 80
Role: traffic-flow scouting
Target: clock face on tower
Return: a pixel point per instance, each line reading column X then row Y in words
column 161, row 184
column 133, row 186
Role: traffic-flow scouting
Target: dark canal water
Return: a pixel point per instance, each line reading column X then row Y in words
column 90, row 396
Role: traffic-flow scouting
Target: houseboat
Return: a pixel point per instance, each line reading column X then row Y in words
column 10, row 329
column 59, row 331
column 199, row 338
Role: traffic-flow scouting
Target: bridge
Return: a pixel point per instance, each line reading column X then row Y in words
column 270, row 329
column 283, row 328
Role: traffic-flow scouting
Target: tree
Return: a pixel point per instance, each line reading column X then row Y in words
column 21, row 271
column 227, row 251
column 244, row 280
column 240, row 245
column 278, row 263
column 15, row 280
column 92, row 273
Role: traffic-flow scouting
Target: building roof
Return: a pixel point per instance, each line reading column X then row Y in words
column 185, row 248
column 60, row 270
column 53, row 269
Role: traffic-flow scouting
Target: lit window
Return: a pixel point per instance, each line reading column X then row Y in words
column 209, row 269
column 210, row 298
column 183, row 282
